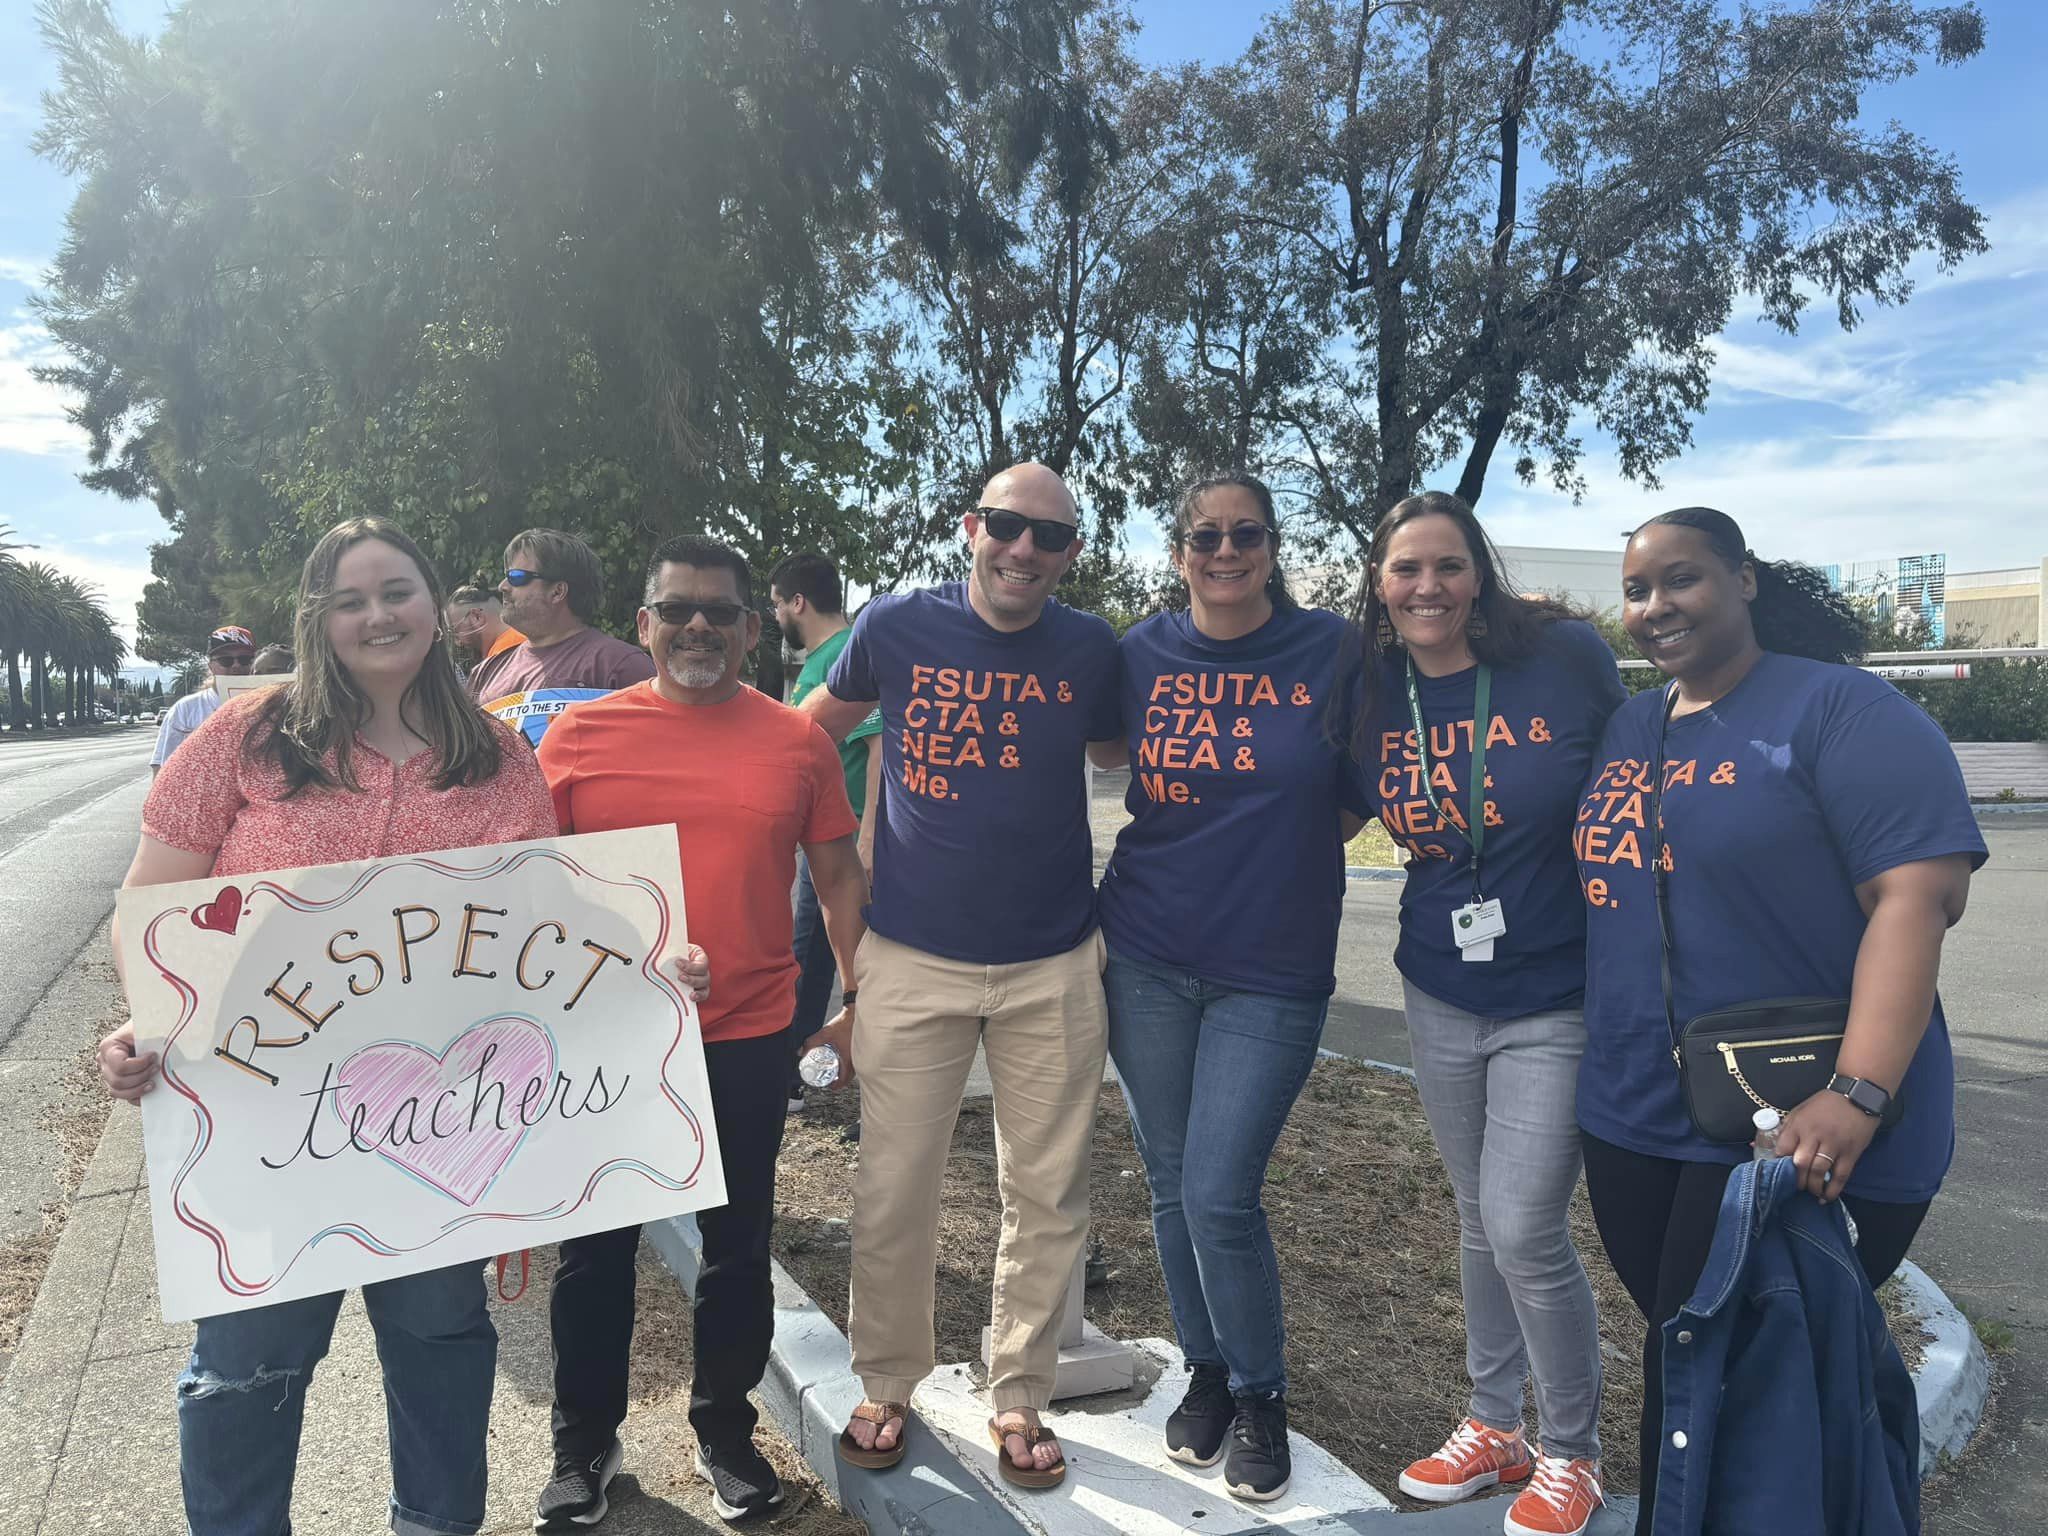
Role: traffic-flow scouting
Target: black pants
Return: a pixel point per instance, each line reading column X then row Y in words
column 591, row 1311
column 1656, row 1218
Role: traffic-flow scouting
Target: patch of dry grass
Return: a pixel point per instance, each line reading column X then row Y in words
column 73, row 1120
column 1372, row 849
column 1363, row 1219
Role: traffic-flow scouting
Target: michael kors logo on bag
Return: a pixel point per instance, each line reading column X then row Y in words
column 1780, row 1061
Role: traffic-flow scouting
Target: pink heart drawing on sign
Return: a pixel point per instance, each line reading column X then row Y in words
column 220, row 914
column 451, row 1120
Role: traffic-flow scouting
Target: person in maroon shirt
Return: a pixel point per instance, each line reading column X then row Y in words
column 550, row 594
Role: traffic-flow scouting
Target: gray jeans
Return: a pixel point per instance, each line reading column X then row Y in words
column 1501, row 1101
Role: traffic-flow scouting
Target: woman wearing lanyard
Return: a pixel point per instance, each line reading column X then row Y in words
column 373, row 748
column 1481, row 716
column 1220, row 909
column 1818, row 843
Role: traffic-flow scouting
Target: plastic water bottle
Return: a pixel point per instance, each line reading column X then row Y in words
column 820, row 1066
column 1765, row 1146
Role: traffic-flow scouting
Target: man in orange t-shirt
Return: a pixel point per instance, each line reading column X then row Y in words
column 746, row 782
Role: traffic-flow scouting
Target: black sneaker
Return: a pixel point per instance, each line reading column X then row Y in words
column 796, row 1097
column 742, row 1482
column 1259, row 1467
column 1195, row 1430
column 576, row 1496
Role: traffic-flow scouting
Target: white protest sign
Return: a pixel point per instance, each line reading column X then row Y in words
column 228, row 684
column 378, row 1068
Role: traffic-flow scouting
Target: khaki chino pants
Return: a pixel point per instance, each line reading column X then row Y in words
column 1044, row 1027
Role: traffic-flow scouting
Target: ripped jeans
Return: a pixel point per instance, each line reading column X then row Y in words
column 242, row 1399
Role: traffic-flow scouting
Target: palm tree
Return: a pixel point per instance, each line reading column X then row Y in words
column 14, row 625
column 56, row 621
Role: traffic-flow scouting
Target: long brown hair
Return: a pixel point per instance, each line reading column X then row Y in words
column 1509, row 627
column 318, row 712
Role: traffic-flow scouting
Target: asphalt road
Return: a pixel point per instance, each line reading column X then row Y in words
column 68, row 815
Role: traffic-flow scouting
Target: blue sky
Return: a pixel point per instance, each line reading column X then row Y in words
column 1926, row 429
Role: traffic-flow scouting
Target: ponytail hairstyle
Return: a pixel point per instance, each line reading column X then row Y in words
column 1507, row 628
column 1796, row 612
column 1252, row 485
column 319, row 710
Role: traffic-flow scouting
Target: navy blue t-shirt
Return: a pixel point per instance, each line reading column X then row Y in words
column 1547, row 716
column 1804, row 781
column 982, row 848
column 1232, row 866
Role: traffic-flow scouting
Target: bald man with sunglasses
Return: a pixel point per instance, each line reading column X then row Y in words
column 981, row 931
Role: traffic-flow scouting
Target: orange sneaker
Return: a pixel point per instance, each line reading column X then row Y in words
column 1475, row 1457
column 1559, row 1500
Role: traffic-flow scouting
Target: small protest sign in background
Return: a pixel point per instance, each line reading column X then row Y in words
column 378, row 1068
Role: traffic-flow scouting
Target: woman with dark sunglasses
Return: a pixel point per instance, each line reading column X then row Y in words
column 1482, row 710
column 1239, row 784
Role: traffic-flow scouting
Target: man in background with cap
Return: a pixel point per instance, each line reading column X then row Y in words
column 230, row 649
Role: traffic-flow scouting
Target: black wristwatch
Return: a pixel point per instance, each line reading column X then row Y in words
column 1861, row 1092
column 846, row 998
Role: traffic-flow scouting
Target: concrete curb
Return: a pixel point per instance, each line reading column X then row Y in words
column 1361, row 872
column 811, row 1389
column 39, row 1398
column 1954, row 1379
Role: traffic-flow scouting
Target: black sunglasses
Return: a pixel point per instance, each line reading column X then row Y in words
column 680, row 611
column 1005, row 526
column 1206, row 541
column 517, row 577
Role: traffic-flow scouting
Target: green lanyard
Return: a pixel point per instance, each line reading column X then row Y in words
column 1482, row 719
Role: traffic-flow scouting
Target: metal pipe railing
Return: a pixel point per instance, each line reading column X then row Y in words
column 1917, row 666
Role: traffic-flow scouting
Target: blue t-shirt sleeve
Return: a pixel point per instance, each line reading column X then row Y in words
column 1890, row 789
column 853, row 675
column 1105, row 702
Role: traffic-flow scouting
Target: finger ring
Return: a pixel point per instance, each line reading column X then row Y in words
column 1828, row 1155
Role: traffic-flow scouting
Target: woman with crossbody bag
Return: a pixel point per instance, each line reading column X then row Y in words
column 1771, row 848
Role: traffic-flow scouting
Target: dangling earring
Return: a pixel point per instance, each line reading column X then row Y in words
column 1475, row 627
column 1384, row 632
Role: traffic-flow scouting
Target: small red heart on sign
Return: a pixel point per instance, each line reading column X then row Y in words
column 220, row 914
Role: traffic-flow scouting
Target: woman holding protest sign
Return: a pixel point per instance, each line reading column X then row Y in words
column 1481, row 715
column 1240, row 782
column 373, row 748
column 1772, row 845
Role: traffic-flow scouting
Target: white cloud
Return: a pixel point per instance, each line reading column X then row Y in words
column 1825, row 373
column 119, row 582
column 25, row 270
column 32, row 416
column 1965, row 474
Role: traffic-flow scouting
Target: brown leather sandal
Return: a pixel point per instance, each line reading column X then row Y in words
column 1033, row 1435
column 854, row 1454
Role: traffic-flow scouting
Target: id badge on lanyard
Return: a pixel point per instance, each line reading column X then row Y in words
column 1479, row 922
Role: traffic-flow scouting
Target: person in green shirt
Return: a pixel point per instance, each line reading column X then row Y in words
column 807, row 600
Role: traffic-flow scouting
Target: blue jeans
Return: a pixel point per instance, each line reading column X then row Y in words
column 242, row 1400
column 1209, row 1074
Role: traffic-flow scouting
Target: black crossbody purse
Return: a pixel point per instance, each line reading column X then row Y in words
column 1773, row 1054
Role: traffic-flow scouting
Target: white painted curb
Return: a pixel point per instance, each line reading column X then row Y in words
column 1954, row 1379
